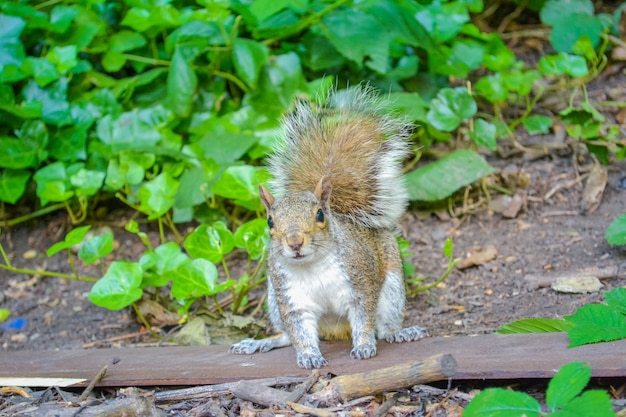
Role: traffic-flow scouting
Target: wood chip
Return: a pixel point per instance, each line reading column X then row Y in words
column 577, row 285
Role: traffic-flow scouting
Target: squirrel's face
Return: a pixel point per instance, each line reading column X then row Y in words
column 298, row 227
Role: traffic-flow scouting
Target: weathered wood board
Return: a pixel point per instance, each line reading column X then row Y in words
column 478, row 357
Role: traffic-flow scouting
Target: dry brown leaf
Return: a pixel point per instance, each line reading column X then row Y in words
column 478, row 256
column 594, row 188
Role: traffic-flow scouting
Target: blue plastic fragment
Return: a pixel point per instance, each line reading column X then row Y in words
column 14, row 325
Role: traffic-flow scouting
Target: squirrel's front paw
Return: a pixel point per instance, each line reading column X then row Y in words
column 364, row 351
column 249, row 346
column 308, row 360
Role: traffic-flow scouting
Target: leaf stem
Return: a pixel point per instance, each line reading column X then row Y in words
column 151, row 61
column 47, row 273
column 34, row 214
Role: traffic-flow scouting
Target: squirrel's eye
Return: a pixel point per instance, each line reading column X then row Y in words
column 319, row 217
column 270, row 222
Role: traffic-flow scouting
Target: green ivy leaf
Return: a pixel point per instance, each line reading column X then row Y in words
column 450, row 108
column 126, row 40
column 13, row 184
column 596, row 323
column 42, row 70
column 158, row 263
column 240, row 184
column 52, row 183
column 12, row 53
column 497, row 402
column 87, row 182
column 253, row 237
column 210, row 242
column 249, row 57
column 350, row 32
column 484, row 134
column 616, row 232
column 119, row 287
column 442, row 178
column 563, row 64
column 537, row 124
column 520, row 82
column 73, row 238
column 18, row 153
column 113, row 61
column 61, row 17
column 157, row 196
column 569, row 28
column 181, row 83
column 95, row 248
column 492, row 88
column 554, row 10
column 536, row 325
column 568, row 382
column 195, row 279
column 262, row 9
column 63, row 57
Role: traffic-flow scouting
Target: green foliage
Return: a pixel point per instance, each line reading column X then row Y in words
column 589, row 324
column 564, row 397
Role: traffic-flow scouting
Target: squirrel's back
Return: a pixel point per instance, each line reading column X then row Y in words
column 351, row 142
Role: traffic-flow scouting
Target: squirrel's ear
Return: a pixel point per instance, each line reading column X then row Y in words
column 322, row 192
column 266, row 197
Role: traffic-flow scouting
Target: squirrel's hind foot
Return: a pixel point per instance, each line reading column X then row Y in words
column 408, row 334
column 250, row 346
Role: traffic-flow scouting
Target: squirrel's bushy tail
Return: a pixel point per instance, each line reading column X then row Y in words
column 353, row 143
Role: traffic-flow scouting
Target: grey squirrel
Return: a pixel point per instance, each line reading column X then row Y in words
column 334, row 266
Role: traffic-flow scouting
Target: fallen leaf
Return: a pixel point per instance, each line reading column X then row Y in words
column 594, row 188
column 194, row 333
column 478, row 256
column 156, row 314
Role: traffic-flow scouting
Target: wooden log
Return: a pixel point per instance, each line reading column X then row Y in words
column 345, row 387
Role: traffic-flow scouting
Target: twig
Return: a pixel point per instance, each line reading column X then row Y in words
column 304, row 387
column 218, row 389
column 114, row 339
column 99, row 377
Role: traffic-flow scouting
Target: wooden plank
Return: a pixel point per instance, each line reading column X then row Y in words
column 478, row 357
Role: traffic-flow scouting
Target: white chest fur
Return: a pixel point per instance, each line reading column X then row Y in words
column 319, row 288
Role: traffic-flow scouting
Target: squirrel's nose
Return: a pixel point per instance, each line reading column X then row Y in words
column 295, row 241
